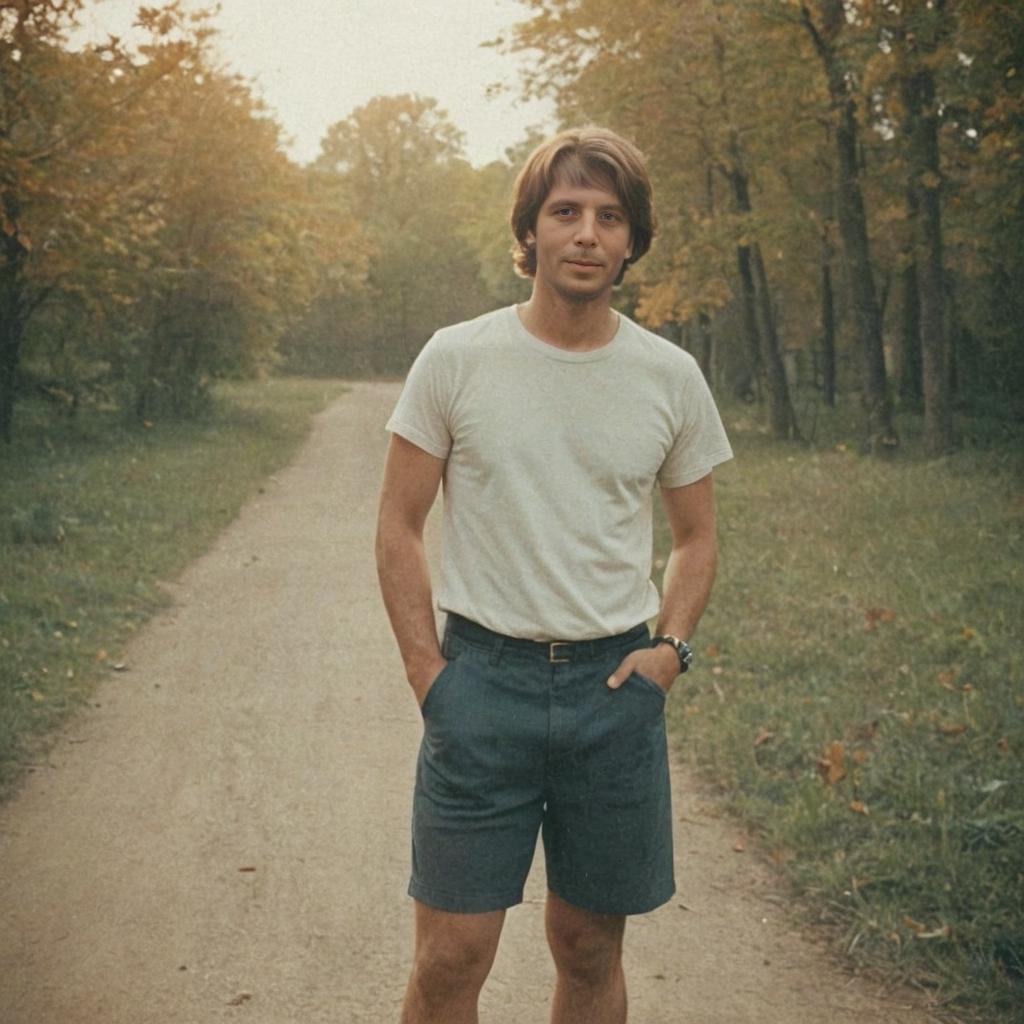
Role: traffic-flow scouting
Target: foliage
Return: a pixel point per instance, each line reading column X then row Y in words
column 723, row 92
column 396, row 164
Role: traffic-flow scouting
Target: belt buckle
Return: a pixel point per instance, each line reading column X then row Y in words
column 553, row 657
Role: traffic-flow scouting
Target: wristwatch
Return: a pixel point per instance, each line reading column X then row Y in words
column 682, row 649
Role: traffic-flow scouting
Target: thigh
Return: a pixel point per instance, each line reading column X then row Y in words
column 608, row 824
column 478, row 801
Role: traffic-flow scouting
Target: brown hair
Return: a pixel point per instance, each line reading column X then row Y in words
column 588, row 156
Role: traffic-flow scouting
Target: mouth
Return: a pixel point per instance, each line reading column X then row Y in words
column 584, row 263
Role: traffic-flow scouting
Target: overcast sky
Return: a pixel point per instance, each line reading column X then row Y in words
column 315, row 61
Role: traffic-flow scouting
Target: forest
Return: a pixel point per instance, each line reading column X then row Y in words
column 839, row 189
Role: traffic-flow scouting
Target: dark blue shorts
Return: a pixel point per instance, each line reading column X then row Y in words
column 521, row 737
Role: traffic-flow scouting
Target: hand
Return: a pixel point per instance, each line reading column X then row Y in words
column 422, row 677
column 659, row 664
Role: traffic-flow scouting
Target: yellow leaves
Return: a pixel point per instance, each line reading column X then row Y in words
column 922, row 931
column 658, row 303
column 873, row 616
column 859, row 807
column 832, row 764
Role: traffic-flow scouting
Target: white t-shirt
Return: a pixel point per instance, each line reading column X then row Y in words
column 552, row 458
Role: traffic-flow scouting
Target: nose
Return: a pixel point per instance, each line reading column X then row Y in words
column 585, row 230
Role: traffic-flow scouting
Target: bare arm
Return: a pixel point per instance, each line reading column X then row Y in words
column 689, row 575
column 411, row 480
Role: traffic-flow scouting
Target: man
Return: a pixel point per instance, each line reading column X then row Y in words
column 549, row 424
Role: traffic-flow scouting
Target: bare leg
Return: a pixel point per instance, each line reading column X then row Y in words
column 587, row 949
column 454, row 953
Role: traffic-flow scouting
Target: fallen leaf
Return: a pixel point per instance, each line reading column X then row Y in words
column 242, row 997
column 914, row 926
column 101, row 655
column 739, row 846
column 875, row 615
column 247, row 868
column 952, row 728
column 859, row 807
column 947, row 679
column 38, row 697
column 763, row 737
column 832, row 765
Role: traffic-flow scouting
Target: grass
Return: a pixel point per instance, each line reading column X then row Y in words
column 93, row 513
column 860, row 697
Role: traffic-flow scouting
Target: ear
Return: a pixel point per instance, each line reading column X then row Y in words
column 531, row 238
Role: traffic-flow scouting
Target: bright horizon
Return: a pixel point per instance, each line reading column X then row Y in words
column 314, row 64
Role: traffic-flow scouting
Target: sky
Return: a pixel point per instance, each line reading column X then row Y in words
column 315, row 61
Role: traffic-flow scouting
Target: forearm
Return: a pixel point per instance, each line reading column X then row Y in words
column 404, row 576
column 689, row 576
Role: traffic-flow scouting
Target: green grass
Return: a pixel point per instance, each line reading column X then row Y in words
column 93, row 513
column 876, row 605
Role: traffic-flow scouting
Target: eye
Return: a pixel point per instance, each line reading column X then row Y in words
column 610, row 216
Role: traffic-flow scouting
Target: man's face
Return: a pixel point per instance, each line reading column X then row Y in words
column 581, row 240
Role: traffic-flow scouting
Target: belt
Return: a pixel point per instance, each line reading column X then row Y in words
column 557, row 652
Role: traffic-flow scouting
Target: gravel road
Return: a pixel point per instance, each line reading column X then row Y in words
column 222, row 835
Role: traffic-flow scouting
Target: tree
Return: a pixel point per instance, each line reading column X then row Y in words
column 398, row 165
column 670, row 78
column 61, row 112
column 826, row 31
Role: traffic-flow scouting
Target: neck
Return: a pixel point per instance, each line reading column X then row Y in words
column 567, row 323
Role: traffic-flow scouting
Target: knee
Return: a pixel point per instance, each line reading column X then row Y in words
column 443, row 968
column 585, row 952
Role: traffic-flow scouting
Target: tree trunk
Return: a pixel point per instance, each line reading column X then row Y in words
column 759, row 319
column 910, row 339
column 706, row 345
column 13, row 254
column 919, row 92
column 828, row 330
column 751, row 335
column 782, row 416
column 853, row 231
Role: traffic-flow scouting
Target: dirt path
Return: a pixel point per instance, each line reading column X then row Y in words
column 224, row 835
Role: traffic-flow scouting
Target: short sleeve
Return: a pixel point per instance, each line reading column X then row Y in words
column 421, row 415
column 701, row 442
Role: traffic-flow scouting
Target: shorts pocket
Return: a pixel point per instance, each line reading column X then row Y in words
column 650, row 684
column 451, row 649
